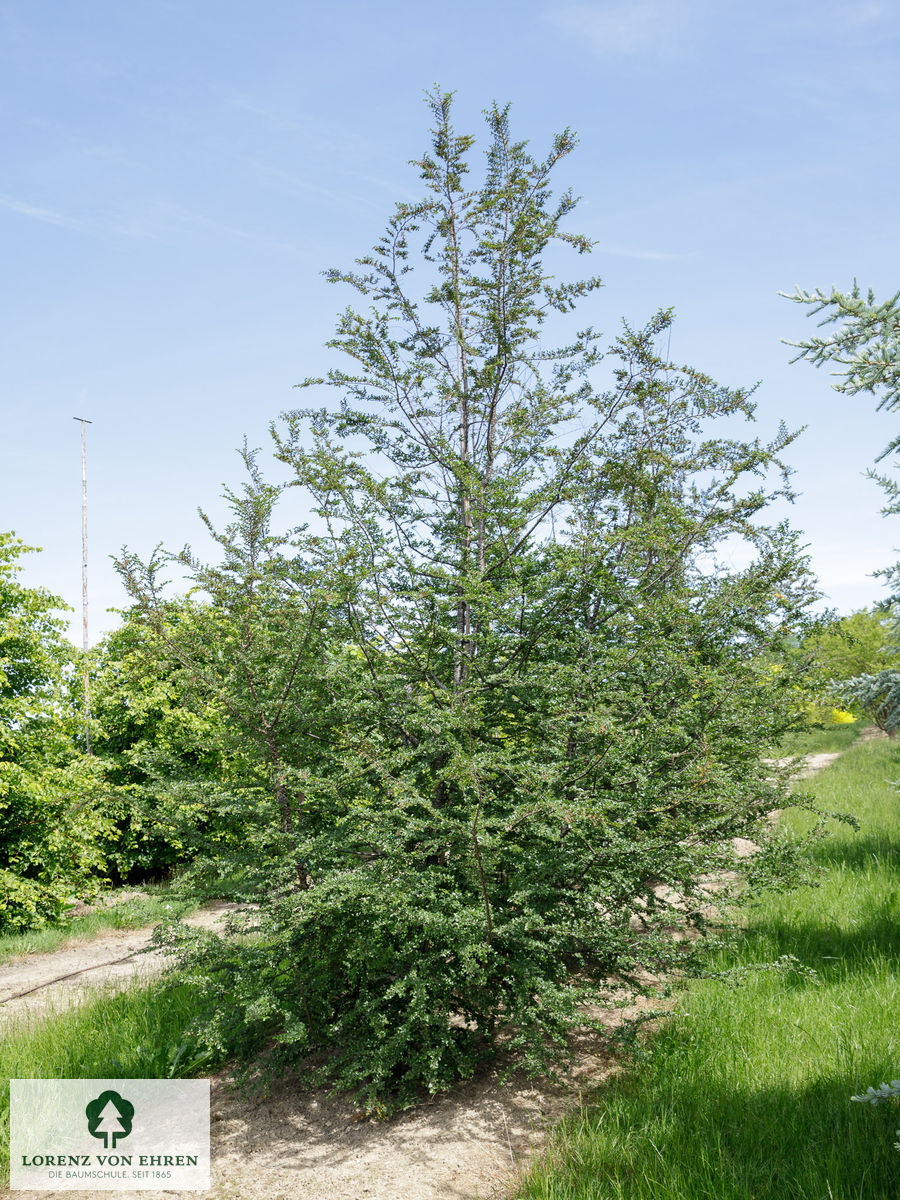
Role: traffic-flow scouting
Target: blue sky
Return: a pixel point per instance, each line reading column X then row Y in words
column 176, row 174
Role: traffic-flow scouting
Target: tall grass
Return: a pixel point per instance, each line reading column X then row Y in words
column 138, row 1033
column 745, row 1093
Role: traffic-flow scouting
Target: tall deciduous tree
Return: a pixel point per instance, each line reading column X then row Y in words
column 50, row 823
column 162, row 750
column 546, row 697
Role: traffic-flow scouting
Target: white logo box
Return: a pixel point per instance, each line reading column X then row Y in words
column 109, row 1135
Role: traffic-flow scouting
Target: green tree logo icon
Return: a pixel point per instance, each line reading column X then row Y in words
column 109, row 1116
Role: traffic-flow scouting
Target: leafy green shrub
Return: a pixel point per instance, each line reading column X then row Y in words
column 858, row 644
column 854, row 659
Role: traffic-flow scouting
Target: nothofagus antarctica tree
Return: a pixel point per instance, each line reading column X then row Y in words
column 503, row 699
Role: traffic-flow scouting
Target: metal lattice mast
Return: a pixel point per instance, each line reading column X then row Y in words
column 84, row 589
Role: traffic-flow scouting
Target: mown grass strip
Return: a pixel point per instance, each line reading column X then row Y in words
column 138, row 1033
column 745, row 1093
column 127, row 914
column 829, row 739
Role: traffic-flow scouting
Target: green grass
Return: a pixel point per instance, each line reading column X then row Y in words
column 745, row 1093
column 127, row 914
column 138, row 1033
column 827, row 740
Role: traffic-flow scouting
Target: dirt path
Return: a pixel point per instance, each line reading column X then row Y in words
column 813, row 763
column 35, row 984
column 296, row 1145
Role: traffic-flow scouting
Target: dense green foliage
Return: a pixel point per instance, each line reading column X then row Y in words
column 255, row 665
column 141, row 805
column 161, row 753
column 856, row 657
column 499, row 701
column 51, row 825
column 858, row 644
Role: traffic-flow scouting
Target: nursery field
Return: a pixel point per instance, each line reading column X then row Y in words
column 744, row 1093
column 464, row 752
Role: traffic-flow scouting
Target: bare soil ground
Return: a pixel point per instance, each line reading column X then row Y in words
column 297, row 1145
column 813, row 763
column 465, row 1145
column 40, row 983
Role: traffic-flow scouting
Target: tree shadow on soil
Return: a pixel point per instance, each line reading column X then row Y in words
column 309, row 1144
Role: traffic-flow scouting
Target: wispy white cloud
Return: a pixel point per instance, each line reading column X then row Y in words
column 647, row 255
column 168, row 221
column 618, row 28
column 36, row 213
column 224, row 229
column 146, row 221
column 292, row 184
column 863, row 14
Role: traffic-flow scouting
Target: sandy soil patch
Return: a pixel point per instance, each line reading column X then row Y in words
column 465, row 1145
column 814, row 763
